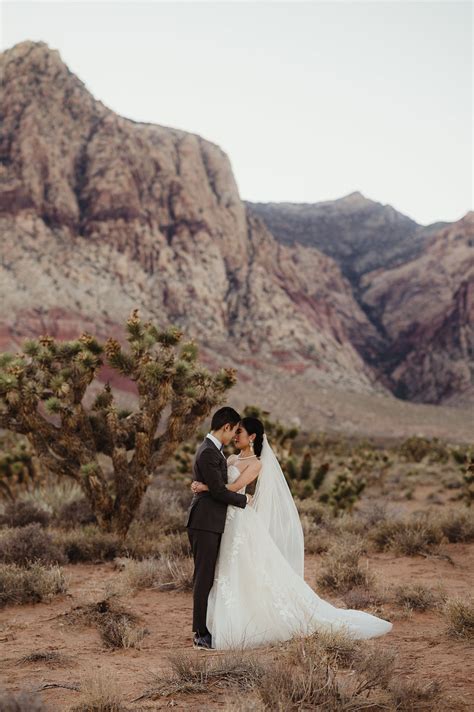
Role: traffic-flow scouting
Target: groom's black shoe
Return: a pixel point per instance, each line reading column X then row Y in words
column 202, row 641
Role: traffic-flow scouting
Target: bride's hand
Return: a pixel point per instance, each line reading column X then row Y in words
column 199, row 487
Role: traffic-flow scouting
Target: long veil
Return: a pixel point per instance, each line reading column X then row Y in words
column 275, row 505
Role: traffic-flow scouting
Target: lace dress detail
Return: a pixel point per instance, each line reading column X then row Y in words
column 257, row 598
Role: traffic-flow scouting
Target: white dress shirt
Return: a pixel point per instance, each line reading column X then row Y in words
column 216, row 442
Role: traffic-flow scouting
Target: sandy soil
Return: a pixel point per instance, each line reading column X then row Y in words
column 423, row 648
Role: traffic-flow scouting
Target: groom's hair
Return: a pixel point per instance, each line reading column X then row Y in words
column 223, row 416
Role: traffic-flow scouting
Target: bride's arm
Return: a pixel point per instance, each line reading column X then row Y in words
column 249, row 475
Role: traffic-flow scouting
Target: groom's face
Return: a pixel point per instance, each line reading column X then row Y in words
column 228, row 433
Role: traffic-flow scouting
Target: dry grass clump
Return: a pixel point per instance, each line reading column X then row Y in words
column 412, row 696
column 416, row 597
column 338, row 647
column 166, row 574
column 19, row 513
column 117, row 627
column 88, row 543
column 459, row 616
column 310, row 679
column 457, row 524
column 194, row 674
column 410, row 536
column 21, row 702
column 30, row 585
column 51, row 658
column 341, row 569
column 75, row 513
column 24, row 545
column 100, row 693
column 362, row 598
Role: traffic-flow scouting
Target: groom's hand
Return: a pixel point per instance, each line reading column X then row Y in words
column 249, row 498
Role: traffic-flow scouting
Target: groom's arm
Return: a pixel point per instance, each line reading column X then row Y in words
column 209, row 469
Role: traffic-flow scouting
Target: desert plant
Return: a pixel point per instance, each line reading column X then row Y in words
column 100, row 693
column 341, row 569
column 344, row 492
column 415, row 597
column 19, row 513
column 50, row 377
column 192, row 674
column 23, row 545
column 169, row 573
column 31, row 585
column 88, row 543
column 459, row 616
column 457, row 524
column 467, row 487
column 23, row 701
column 19, row 470
column 418, row 534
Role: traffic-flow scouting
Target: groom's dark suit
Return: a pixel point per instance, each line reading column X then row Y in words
column 205, row 523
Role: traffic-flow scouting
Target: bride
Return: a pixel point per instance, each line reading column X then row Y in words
column 259, row 595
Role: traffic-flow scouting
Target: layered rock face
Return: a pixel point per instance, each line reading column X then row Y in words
column 426, row 311
column 359, row 233
column 414, row 284
column 100, row 214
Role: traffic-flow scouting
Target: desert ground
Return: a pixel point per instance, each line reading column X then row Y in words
column 115, row 633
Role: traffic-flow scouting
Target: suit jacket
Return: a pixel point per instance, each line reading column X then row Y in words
column 208, row 509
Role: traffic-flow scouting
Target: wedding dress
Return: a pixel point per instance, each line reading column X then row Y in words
column 259, row 595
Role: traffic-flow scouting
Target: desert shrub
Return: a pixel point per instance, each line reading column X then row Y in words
column 52, row 658
column 457, row 525
column 196, row 674
column 100, row 693
column 311, row 685
column 117, row 626
column 361, row 598
column 415, row 597
column 338, row 647
column 344, row 491
column 416, row 448
column 412, row 696
column 459, row 616
column 21, row 702
column 409, row 536
column 74, row 513
column 88, row 543
column 32, row 585
column 119, row 631
column 164, row 506
column 165, row 574
column 316, row 538
column 23, row 545
column 313, row 509
column 341, row 569
column 19, row 513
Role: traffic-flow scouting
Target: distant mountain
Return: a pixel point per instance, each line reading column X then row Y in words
column 359, row 233
column 100, row 214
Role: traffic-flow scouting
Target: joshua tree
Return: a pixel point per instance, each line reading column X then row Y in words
column 50, row 378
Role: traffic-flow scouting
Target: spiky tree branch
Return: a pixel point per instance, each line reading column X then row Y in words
column 49, row 379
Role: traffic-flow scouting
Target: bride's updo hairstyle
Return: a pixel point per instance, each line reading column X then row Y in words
column 254, row 426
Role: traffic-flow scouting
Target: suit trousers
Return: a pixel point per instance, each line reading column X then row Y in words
column 205, row 548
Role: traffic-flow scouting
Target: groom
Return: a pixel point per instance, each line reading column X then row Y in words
column 207, row 514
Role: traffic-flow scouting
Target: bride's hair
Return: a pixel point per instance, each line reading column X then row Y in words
column 254, row 426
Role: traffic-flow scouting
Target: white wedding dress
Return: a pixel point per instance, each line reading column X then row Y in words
column 258, row 597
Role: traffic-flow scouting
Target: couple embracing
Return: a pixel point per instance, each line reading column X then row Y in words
column 248, row 585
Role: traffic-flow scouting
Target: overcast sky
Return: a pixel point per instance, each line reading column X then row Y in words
column 310, row 100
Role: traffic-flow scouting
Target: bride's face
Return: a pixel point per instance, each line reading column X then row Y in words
column 242, row 438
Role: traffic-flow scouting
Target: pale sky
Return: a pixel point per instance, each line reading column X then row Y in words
column 310, row 100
